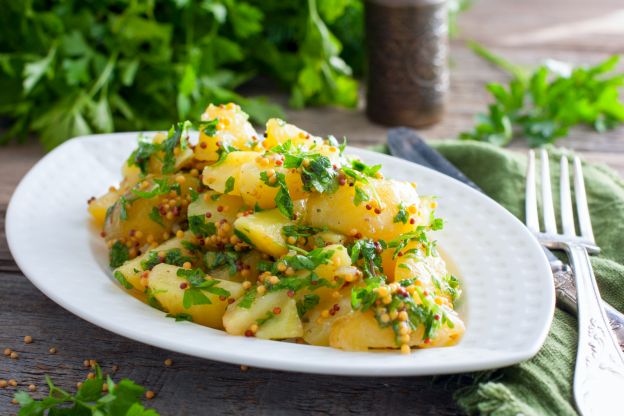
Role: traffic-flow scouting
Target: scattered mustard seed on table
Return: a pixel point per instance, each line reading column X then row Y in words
column 7, row 351
column 12, row 382
column 168, row 362
column 149, row 395
column 28, row 339
column 32, row 387
column 3, row 384
column 52, row 350
column 14, row 355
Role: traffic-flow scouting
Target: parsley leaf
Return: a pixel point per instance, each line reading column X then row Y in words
column 123, row 398
column 119, row 276
column 155, row 216
column 301, row 231
column 369, row 252
column 543, row 104
column 173, row 256
column 229, row 185
column 179, row 317
column 319, row 175
column 401, row 215
column 309, row 301
column 283, row 200
column 201, row 227
column 248, row 299
column 119, row 254
column 360, row 196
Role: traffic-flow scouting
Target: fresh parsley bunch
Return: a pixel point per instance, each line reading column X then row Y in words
column 543, row 104
column 70, row 67
column 123, row 398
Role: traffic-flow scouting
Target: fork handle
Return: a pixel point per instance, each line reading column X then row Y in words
column 565, row 288
column 599, row 371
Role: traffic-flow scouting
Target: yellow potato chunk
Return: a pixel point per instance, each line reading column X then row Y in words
column 264, row 230
column 164, row 284
column 136, row 213
column 339, row 212
column 359, row 331
column 216, row 176
column 133, row 269
column 237, row 320
column 319, row 321
column 279, row 132
column 98, row 207
column 233, row 130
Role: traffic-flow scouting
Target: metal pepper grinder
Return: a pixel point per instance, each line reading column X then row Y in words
column 408, row 77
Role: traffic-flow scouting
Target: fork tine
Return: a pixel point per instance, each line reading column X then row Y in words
column 530, row 208
column 581, row 201
column 550, row 224
column 567, row 215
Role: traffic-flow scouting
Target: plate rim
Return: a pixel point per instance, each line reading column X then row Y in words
column 509, row 358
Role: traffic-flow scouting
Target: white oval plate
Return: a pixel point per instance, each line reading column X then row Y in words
column 508, row 288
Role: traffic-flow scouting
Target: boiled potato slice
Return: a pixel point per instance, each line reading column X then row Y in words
column 279, row 132
column 286, row 324
column 233, row 129
column 339, row 260
column 133, row 269
column 263, row 230
column 339, row 212
column 316, row 328
column 135, row 213
column 216, row 176
column 359, row 331
column 414, row 264
column 164, row 284
column 208, row 216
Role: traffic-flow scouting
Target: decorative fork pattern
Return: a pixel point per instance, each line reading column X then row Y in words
column 599, row 370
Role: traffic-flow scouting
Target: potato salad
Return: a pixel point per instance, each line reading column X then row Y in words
column 279, row 236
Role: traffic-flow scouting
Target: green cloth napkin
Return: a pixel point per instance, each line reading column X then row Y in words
column 542, row 385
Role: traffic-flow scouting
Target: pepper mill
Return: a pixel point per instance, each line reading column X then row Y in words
column 408, row 76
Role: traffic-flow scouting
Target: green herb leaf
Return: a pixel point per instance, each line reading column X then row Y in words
column 201, row 227
column 229, row 185
column 155, row 216
column 308, row 302
column 119, row 276
column 119, row 254
column 248, row 299
column 401, row 215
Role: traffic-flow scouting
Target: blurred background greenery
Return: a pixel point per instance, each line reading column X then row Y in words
column 74, row 67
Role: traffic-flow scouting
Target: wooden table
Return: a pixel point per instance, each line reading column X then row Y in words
column 524, row 31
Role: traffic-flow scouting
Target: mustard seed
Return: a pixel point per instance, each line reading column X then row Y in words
column 149, row 395
column 168, row 362
column 28, row 339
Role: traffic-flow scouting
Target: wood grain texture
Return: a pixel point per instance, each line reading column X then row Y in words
column 526, row 32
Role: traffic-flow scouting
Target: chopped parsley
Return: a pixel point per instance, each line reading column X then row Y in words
column 173, row 257
column 161, row 187
column 141, row 156
column 119, row 276
column 193, row 248
column 402, row 215
column 369, row 252
column 200, row 227
column 310, row 282
column 309, row 261
column 308, row 302
column 243, row 237
column 173, row 140
column 229, row 185
column 123, row 208
column 360, row 196
column 152, row 300
column 319, row 175
column 209, row 128
column 248, row 299
column 301, row 231
column 155, row 216
column 195, row 295
column 119, row 254
column 283, row 200
column 269, row 315
column 179, row 317
column 214, row 259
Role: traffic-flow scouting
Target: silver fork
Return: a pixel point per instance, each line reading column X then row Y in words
column 599, row 370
